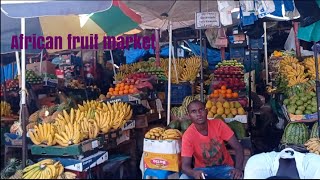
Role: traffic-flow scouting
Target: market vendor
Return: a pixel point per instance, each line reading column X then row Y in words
column 204, row 141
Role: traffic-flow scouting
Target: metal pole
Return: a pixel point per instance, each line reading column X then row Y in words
column 23, row 96
column 316, row 50
column 297, row 42
column 249, row 95
column 169, row 73
column 157, row 47
column 201, row 64
column 266, row 52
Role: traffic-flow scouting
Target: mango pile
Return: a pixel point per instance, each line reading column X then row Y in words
column 224, row 109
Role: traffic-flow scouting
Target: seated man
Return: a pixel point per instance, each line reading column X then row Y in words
column 204, row 140
column 287, row 164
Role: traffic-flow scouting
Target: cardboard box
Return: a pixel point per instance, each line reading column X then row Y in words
column 241, row 118
column 47, row 67
column 131, row 124
column 162, row 154
column 84, row 164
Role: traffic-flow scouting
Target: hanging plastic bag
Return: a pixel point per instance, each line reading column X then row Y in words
column 221, row 40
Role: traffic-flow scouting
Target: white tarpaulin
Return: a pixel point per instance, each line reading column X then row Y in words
column 181, row 13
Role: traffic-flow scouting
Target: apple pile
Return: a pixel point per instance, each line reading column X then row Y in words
column 229, row 73
column 135, row 78
column 1, row 90
column 12, row 85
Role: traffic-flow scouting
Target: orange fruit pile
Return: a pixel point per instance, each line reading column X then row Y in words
column 224, row 92
column 122, row 89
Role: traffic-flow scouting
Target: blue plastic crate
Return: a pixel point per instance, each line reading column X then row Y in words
column 178, row 92
column 256, row 43
column 237, row 53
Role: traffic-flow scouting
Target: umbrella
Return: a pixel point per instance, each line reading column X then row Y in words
column 172, row 15
column 181, row 13
column 63, row 9
column 118, row 19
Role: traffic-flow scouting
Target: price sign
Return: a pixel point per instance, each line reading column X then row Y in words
column 205, row 20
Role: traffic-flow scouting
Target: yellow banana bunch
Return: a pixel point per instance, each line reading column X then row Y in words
column 186, row 69
column 120, row 113
column 313, row 145
column 93, row 129
column 45, row 169
column 295, row 74
column 120, row 76
column 311, row 67
column 193, row 62
column 125, row 68
column 104, row 121
column 70, row 135
column 43, row 134
column 188, row 74
column 65, row 117
column 172, row 134
column 294, row 70
column 5, row 109
column 86, row 105
column 288, row 60
column 155, row 133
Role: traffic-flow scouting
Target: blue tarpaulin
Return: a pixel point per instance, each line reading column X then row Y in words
column 213, row 55
column 133, row 55
column 164, row 50
column 6, row 72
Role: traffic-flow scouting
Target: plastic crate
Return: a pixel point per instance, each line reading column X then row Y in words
column 178, row 92
column 237, row 53
column 256, row 43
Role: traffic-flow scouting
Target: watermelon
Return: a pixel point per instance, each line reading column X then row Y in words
column 238, row 128
column 185, row 124
column 174, row 124
column 315, row 131
column 295, row 133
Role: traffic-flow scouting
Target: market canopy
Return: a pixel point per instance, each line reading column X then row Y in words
column 31, row 9
column 181, row 13
column 116, row 20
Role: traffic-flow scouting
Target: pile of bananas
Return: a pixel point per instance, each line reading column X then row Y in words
column 71, row 134
column 84, row 123
column 43, row 134
column 45, row 169
column 295, row 74
column 125, row 68
column 172, row 134
column 5, row 109
column 182, row 69
column 311, row 67
column 120, row 76
column 108, row 116
column 155, row 133
column 313, row 145
column 287, row 61
column 159, row 133
column 191, row 69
